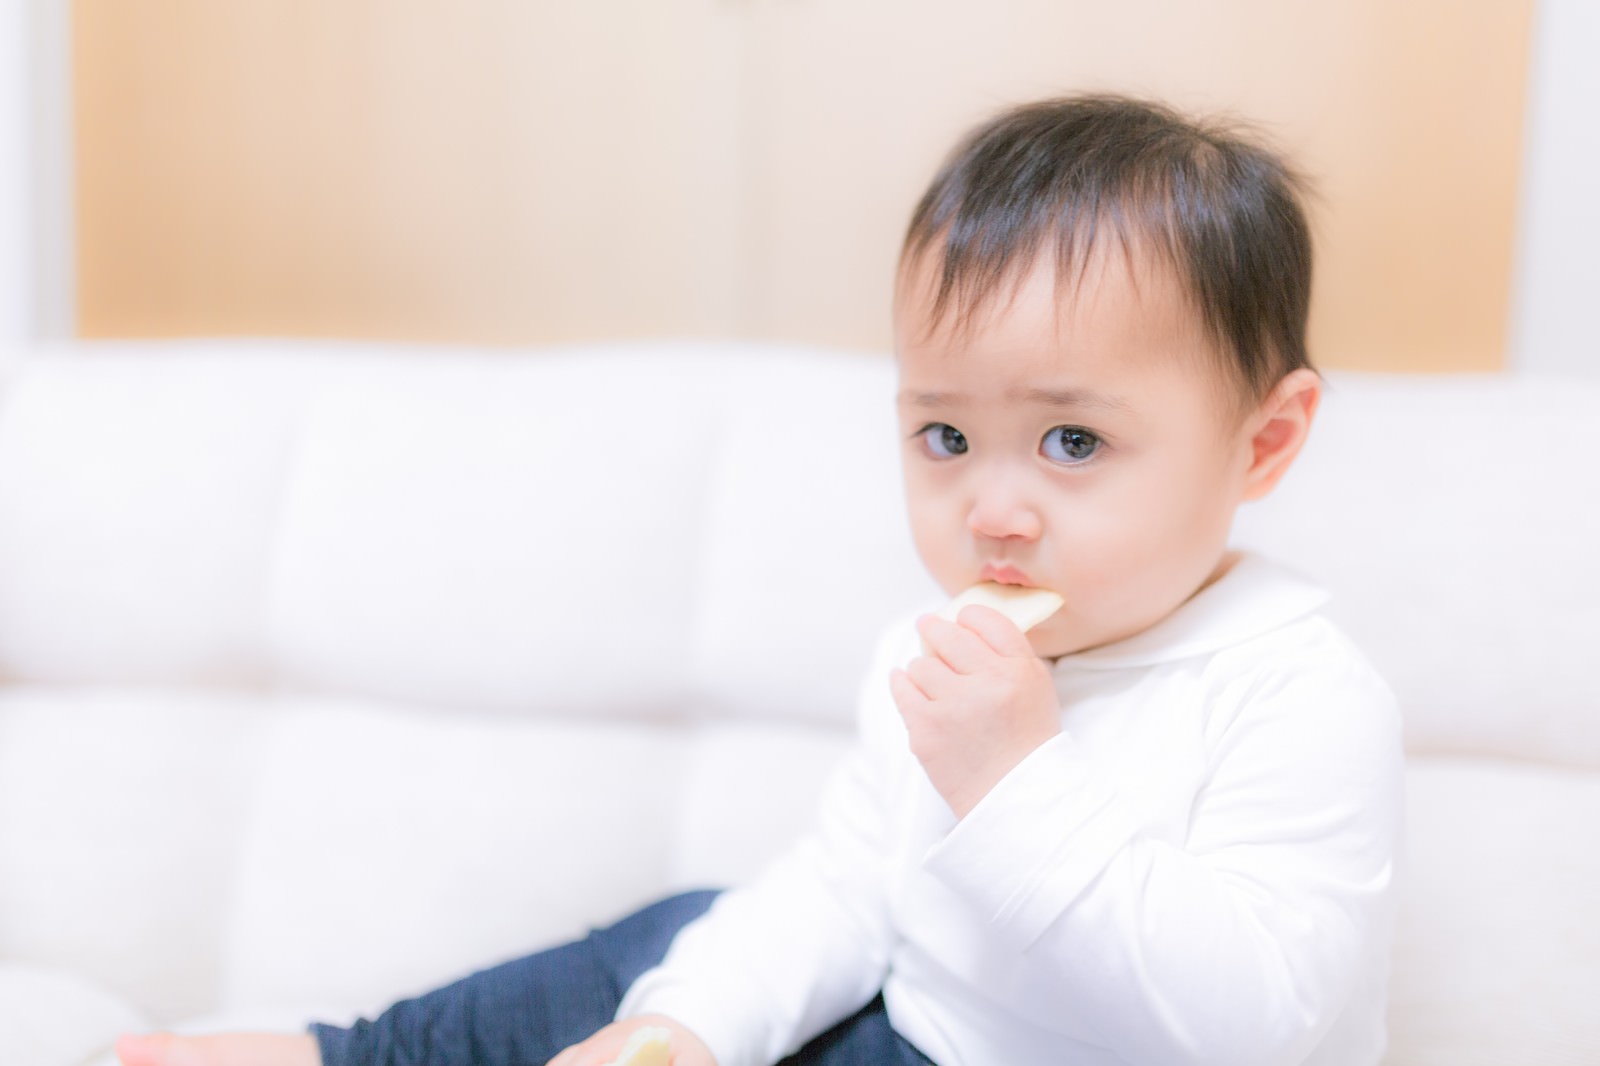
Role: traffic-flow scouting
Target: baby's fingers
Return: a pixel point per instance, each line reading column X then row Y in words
column 960, row 647
column 996, row 630
column 907, row 695
column 932, row 676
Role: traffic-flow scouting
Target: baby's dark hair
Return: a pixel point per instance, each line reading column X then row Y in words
column 1222, row 209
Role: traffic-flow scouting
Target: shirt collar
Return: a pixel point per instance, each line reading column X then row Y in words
column 1255, row 596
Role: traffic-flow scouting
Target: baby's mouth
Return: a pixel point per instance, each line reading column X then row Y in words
column 1004, row 574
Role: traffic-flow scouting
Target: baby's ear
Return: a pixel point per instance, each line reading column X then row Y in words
column 1278, row 428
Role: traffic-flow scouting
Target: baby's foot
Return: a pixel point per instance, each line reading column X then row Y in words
column 232, row 1049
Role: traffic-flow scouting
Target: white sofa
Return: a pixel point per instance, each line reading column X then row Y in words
column 331, row 672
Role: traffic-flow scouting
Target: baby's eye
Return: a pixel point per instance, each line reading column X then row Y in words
column 1069, row 444
column 942, row 441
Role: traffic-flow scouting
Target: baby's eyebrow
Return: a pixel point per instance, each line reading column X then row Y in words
column 908, row 398
column 1071, row 398
column 1037, row 396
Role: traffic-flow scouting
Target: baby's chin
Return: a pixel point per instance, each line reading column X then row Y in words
column 1063, row 635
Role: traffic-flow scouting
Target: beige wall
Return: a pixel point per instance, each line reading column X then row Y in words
column 521, row 172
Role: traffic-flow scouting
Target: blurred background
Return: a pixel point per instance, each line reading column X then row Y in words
column 528, row 172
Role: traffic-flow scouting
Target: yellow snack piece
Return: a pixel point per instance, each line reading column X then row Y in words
column 1026, row 607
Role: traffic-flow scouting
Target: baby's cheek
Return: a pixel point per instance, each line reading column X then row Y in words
column 940, row 550
column 1110, row 548
column 1109, row 594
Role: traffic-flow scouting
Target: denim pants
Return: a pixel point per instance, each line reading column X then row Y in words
column 523, row 1012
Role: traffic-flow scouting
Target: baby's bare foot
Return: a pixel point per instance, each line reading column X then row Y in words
column 233, row 1049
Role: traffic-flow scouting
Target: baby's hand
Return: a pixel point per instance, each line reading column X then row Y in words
column 976, row 705
column 602, row 1049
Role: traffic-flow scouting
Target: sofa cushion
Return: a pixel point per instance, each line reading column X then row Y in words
column 121, row 813
column 52, row 1018
column 138, row 502
column 1495, row 955
column 1456, row 518
column 389, row 850
column 436, row 547
column 514, row 535
column 808, row 555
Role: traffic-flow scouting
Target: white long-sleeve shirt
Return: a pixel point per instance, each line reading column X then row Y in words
column 1199, row 869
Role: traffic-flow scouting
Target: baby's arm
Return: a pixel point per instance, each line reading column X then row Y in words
column 1240, row 943
column 774, row 963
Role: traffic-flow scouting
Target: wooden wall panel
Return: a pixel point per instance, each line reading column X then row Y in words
column 490, row 170
column 1406, row 115
column 529, row 171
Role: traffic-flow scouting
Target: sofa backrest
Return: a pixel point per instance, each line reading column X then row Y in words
column 416, row 525
column 1457, row 521
column 434, row 527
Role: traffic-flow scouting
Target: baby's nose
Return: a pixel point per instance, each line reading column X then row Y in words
column 1001, row 511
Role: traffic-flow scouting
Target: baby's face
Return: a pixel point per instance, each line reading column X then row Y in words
column 1083, row 442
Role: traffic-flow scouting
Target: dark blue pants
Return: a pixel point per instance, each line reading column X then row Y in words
column 522, row 1013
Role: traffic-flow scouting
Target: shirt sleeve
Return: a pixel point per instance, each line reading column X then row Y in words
column 1239, row 944
column 778, row 961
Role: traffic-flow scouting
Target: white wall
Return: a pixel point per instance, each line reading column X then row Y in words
column 55, row 266
column 1554, row 326
column 36, row 273
column 16, row 233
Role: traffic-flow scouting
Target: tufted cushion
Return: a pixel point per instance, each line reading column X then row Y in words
column 53, row 1018
column 121, row 812
column 1495, row 955
column 1456, row 519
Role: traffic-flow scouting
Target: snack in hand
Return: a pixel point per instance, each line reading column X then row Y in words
column 645, row 1047
column 1026, row 607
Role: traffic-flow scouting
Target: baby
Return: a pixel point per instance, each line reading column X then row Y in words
column 1157, row 827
